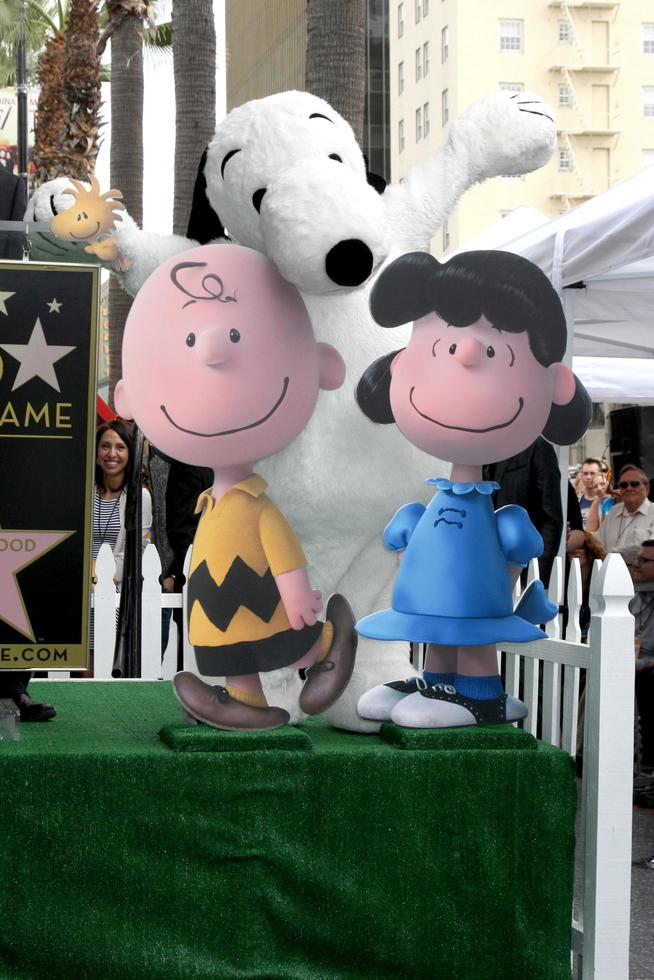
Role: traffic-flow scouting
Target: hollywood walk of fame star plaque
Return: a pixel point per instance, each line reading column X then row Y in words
column 48, row 346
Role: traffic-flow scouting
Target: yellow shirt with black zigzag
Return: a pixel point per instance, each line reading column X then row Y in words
column 244, row 524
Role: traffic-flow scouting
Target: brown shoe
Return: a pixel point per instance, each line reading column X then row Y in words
column 214, row 706
column 328, row 678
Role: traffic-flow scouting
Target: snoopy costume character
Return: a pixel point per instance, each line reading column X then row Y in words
column 285, row 176
column 479, row 381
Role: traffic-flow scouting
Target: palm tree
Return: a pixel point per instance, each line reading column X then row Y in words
column 51, row 115
column 125, row 23
column 194, row 61
column 23, row 25
column 336, row 56
column 194, row 56
column 81, row 91
column 30, row 19
column 68, row 118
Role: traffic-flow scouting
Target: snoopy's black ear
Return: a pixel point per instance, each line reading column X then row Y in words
column 373, row 390
column 374, row 179
column 404, row 291
column 204, row 225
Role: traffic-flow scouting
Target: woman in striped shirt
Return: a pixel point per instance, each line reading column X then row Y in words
column 114, row 444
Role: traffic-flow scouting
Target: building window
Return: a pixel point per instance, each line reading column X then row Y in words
column 425, row 120
column 445, row 107
column 648, row 158
column 446, row 236
column 400, row 78
column 512, row 87
column 400, row 19
column 564, row 32
column 400, row 135
column 565, row 160
column 425, row 58
column 418, row 11
column 418, row 64
column 648, row 101
column 565, row 97
column 511, row 35
column 648, row 38
column 445, row 44
column 425, row 7
column 418, row 125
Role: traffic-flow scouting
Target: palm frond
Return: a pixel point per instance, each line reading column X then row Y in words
column 161, row 36
column 158, row 46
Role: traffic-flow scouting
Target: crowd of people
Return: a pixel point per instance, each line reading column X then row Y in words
column 619, row 517
column 603, row 516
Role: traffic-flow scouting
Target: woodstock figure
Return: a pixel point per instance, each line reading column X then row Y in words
column 92, row 218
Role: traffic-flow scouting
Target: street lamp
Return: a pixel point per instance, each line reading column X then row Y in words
column 21, row 92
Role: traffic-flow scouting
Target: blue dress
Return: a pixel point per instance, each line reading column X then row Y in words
column 453, row 583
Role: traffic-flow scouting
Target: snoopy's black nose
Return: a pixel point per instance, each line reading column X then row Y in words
column 349, row 263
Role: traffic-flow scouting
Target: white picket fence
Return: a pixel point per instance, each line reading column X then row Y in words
column 105, row 600
column 600, row 927
column 601, row 920
column 153, row 600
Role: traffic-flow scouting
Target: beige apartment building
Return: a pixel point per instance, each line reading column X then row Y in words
column 266, row 48
column 593, row 63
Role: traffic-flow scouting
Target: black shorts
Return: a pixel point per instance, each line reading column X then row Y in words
column 257, row 656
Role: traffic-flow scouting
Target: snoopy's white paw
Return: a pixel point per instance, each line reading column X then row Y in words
column 506, row 133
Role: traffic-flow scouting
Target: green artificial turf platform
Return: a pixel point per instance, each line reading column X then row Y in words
column 124, row 859
column 186, row 737
column 458, row 739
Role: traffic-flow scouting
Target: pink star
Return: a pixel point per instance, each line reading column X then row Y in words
column 37, row 358
column 18, row 549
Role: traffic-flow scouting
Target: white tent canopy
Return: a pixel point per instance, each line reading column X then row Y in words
column 606, row 248
column 617, row 379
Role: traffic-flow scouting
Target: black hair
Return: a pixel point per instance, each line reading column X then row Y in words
column 509, row 290
column 124, row 431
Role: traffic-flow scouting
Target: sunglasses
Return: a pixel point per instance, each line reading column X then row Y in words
column 623, row 484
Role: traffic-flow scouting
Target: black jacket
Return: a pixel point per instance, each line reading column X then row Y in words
column 13, row 201
column 185, row 484
column 532, row 479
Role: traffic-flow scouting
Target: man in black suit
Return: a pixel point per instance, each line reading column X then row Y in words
column 184, row 486
column 13, row 201
column 532, row 479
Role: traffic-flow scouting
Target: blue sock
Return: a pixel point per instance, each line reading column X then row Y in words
column 479, row 688
column 432, row 678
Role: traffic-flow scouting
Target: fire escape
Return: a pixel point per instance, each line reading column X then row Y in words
column 588, row 66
